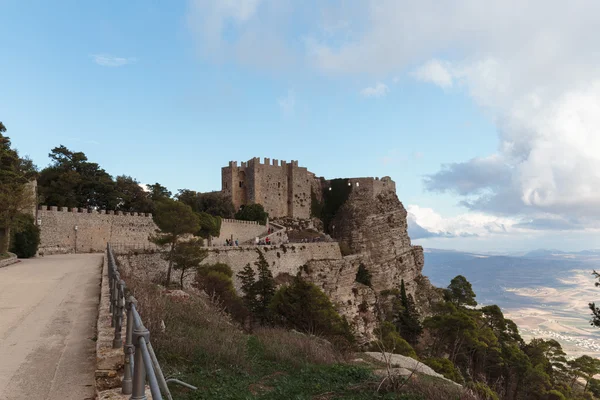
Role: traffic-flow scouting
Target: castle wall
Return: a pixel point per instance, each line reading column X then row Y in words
column 299, row 191
column 283, row 259
column 240, row 230
column 282, row 263
column 94, row 230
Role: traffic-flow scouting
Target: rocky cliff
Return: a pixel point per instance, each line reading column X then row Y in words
column 372, row 223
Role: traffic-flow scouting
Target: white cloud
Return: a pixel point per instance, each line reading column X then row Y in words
column 107, row 60
column 436, row 72
column 464, row 225
column 530, row 65
column 379, row 90
column 287, row 104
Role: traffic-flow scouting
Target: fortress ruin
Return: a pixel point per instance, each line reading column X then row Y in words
column 282, row 188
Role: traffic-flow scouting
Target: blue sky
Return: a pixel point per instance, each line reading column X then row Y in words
column 171, row 91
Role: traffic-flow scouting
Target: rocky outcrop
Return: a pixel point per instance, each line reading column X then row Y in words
column 373, row 224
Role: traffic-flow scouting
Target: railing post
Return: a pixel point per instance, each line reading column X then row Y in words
column 129, row 347
column 139, row 369
column 119, row 305
column 114, row 297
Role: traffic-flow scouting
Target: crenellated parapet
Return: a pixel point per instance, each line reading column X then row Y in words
column 97, row 212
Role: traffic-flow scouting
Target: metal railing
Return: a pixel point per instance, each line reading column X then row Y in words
column 140, row 360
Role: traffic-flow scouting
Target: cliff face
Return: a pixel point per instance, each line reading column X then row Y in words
column 373, row 223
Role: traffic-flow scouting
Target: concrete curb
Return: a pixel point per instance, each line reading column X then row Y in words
column 109, row 361
column 9, row 261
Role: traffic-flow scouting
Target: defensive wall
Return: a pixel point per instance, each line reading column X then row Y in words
column 284, row 260
column 282, row 188
column 78, row 230
column 241, row 231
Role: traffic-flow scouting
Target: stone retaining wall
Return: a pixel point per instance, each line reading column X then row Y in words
column 8, row 261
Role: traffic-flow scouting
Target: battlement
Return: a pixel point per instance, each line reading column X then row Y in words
column 256, row 162
column 238, row 221
column 86, row 211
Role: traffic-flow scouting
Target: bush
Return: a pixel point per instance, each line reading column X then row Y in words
column 303, row 306
column 25, row 237
column 216, row 281
column 363, row 275
column 445, row 367
column 391, row 341
column 483, row 391
column 252, row 212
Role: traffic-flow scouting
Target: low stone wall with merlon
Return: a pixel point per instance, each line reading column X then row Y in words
column 79, row 231
column 241, row 231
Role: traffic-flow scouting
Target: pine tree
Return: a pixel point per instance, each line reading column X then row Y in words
column 407, row 320
column 248, row 278
column 264, row 289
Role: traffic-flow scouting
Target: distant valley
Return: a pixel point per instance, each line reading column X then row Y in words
column 546, row 292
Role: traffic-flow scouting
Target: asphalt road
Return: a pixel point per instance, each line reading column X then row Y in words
column 48, row 311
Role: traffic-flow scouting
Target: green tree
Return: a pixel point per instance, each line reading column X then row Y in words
column 460, row 292
column 303, row 306
column 584, row 367
column 72, row 181
column 210, row 226
column 264, row 289
column 248, row 278
column 158, row 192
column 213, row 203
column 174, row 219
column 187, row 256
column 25, row 236
column 407, row 322
column 252, row 212
column 15, row 195
column 131, row 196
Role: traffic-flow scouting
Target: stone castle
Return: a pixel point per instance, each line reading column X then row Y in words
column 371, row 223
column 282, row 188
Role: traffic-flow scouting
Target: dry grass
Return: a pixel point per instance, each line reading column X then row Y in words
column 295, row 348
column 187, row 329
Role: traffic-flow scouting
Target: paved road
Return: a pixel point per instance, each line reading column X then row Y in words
column 48, row 311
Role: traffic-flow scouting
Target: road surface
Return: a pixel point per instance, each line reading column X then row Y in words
column 48, row 311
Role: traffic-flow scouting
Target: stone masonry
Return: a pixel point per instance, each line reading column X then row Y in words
column 80, row 231
column 282, row 188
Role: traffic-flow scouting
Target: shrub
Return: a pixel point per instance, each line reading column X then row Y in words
column 363, row 275
column 391, row 341
column 483, row 391
column 25, row 237
column 303, row 306
column 445, row 367
column 216, row 281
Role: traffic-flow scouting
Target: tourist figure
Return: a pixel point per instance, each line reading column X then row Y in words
column 236, row 242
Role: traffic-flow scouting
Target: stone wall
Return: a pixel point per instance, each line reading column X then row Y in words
column 283, row 259
column 241, row 230
column 77, row 230
column 282, row 188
